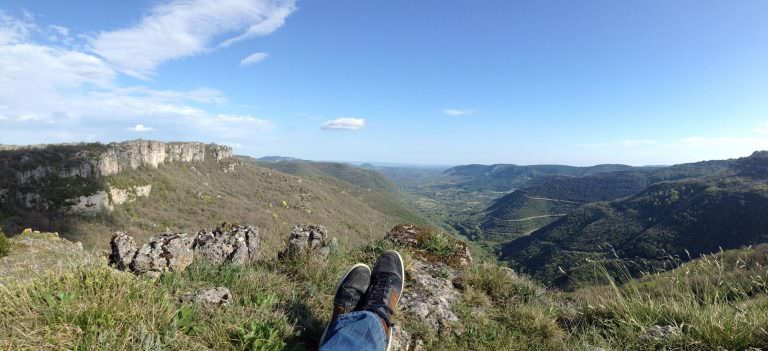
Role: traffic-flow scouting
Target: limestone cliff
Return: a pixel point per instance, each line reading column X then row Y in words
column 94, row 160
column 61, row 176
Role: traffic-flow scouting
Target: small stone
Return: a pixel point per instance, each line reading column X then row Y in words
column 210, row 297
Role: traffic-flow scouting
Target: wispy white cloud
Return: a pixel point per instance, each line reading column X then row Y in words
column 14, row 30
column 254, row 124
column 458, row 112
column 80, row 92
column 344, row 123
column 140, row 128
column 61, row 30
column 181, row 28
column 253, row 58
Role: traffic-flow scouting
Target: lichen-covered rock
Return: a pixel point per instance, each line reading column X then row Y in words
column 123, row 250
column 403, row 341
column 659, row 332
column 309, row 239
column 235, row 244
column 229, row 244
column 164, row 253
column 431, row 245
column 210, row 297
column 430, row 293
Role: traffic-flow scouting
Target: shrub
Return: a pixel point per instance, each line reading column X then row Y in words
column 5, row 245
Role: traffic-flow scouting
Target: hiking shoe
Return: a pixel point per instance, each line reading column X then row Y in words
column 349, row 291
column 387, row 282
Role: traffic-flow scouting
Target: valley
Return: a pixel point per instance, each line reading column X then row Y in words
column 592, row 250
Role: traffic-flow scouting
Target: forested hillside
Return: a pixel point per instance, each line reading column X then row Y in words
column 667, row 223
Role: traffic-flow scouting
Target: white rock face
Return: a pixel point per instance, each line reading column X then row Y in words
column 122, row 196
column 91, row 204
column 128, row 155
column 91, row 161
column 100, row 201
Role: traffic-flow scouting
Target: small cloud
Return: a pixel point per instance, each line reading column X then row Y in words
column 458, row 112
column 250, row 122
column 140, row 128
column 344, row 123
column 253, row 58
column 63, row 31
column 636, row 142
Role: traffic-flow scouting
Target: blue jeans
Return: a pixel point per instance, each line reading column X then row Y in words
column 356, row 331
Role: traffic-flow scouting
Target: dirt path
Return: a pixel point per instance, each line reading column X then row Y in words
column 532, row 217
column 556, row 200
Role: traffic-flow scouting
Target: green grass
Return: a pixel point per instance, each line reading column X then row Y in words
column 716, row 302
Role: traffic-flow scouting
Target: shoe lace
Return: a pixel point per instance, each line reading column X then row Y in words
column 377, row 299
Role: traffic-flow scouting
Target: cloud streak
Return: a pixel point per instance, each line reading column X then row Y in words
column 253, row 58
column 140, row 128
column 78, row 91
column 458, row 112
column 344, row 123
column 182, row 28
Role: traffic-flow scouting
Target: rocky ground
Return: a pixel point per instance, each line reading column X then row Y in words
column 33, row 252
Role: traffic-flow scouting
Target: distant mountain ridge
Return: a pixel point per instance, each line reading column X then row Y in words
column 277, row 159
column 656, row 227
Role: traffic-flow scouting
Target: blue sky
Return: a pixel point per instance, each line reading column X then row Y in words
column 427, row 82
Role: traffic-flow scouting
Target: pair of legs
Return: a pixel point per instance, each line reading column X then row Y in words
column 363, row 305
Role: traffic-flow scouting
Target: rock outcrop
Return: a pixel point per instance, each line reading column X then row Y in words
column 454, row 252
column 229, row 244
column 430, row 294
column 75, row 169
column 137, row 153
column 233, row 244
column 430, row 289
column 309, row 239
column 163, row 253
column 404, row 341
column 209, row 297
column 123, row 250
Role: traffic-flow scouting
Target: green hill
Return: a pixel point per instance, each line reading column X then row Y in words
column 661, row 225
column 184, row 196
column 360, row 177
column 370, row 187
column 512, row 216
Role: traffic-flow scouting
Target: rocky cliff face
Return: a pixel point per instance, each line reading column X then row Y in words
column 103, row 160
column 137, row 153
column 31, row 174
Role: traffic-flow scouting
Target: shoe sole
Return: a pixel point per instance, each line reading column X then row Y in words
column 402, row 274
column 338, row 284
